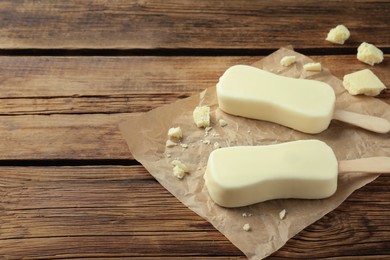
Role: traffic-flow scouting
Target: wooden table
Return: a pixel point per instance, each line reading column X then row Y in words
column 71, row 70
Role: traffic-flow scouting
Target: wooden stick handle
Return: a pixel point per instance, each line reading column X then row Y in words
column 371, row 123
column 366, row 165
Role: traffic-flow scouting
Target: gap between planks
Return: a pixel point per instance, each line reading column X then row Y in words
column 185, row 52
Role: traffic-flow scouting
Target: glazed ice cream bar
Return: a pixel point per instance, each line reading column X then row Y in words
column 243, row 175
column 307, row 169
column 304, row 105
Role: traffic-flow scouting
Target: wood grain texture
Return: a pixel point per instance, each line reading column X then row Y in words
column 34, row 77
column 121, row 211
column 155, row 24
column 74, row 85
column 65, row 137
column 65, row 114
column 64, row 110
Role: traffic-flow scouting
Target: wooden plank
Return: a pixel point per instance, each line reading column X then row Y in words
column 165, row 244
column 72, row 77
column 121, row 211
column 66, row 137
column 118, row 212
column 71, row 85
column 155, row 24
column 55, row 90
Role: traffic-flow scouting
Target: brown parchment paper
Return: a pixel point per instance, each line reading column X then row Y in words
column 146, row 135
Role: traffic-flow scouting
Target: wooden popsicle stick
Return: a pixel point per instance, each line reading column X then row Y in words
column 366, row 165
column 371, row 123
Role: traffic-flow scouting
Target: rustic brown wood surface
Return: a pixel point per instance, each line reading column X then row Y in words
column 71, row 70
column 103, row 211
column 54, row 108
column 203, row 24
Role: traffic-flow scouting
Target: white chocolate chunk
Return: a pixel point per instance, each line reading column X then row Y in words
column 244, row 175
column 282, row 214
column 170, row 143
column 363, row 82
column 185, row 146
column 302, row 104
column 338, row 35
column 222, row 123
column 313, row 66
column 246, row 227
column 175, row 132
column 287, row 60
column 179, row 172
column 216, row 145
column 201, row 116
column 369, row 53
column 179, row 169
column 179, row 164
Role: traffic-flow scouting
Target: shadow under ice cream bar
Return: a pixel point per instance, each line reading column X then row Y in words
column 302, row 104
column 244, row 175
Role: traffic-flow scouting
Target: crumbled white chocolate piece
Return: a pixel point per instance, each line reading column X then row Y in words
column 363, row 82
column 179, row 172
column 184, row 146
column 175, row 132
column 287, row 60
column 222, row 123
column 338, row 35
column 246, row 214
column 201, row 116
column 282, row 214
column 170, row 143
column 246, row 227
column 179, row 169
column 206, row 141
column 207, row 131
column 215, row 134
column 369, row 53
column 168, row 155
column 177, row 162
column 216, row 145
column 313, row 66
